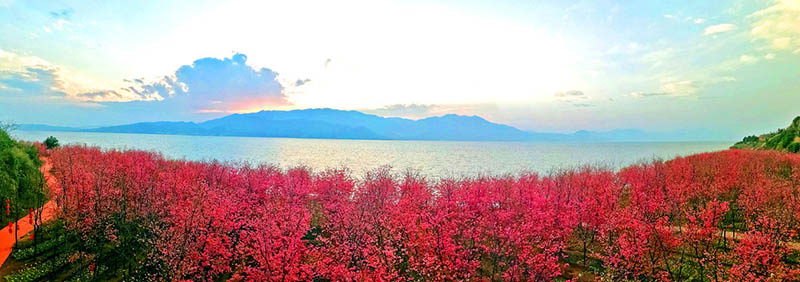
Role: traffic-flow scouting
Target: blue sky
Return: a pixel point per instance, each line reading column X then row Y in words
column 723, row 68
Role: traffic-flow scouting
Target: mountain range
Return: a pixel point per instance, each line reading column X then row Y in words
column 340, row 124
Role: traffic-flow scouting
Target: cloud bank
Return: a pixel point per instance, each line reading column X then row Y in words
column 217, row 85
column 779, row 25
column 207, row 88
column 31, row 76
column 208, row 85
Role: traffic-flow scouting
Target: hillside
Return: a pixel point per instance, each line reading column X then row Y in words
column 787, row 139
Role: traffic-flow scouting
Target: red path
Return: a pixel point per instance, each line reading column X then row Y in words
column 7, row 239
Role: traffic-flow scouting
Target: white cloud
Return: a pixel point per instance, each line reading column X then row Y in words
column 720, row 28
column 413, row 111
column 699, row 20
column 211, row 85
column 418, row 111
column 769, row 56
column 778, row 25
column 59, row 24
column 680, row 88
column 747, row 59
column 671, row 87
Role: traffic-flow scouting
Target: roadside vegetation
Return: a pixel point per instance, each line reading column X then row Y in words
column 22, row 189
column 22, row 186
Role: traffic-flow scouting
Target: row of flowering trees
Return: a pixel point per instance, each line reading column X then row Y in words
column 723, row 216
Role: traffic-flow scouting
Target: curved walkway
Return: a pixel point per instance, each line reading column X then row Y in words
column 7, row 239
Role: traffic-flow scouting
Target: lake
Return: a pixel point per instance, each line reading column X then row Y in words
column 430, row 158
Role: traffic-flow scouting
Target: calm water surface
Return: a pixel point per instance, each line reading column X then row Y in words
column 431, row 158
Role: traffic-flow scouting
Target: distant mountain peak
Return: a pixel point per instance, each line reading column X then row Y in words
column 334, row 124
column 350, row 124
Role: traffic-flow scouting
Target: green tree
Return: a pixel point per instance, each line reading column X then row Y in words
column 749, row 139
column 51, row 142
column 21, row 181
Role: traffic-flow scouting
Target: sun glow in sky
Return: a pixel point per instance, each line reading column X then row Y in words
column 731, row 66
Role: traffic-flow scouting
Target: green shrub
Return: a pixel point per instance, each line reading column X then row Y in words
column 794, row 147
column 39, row 271
column 28, row 252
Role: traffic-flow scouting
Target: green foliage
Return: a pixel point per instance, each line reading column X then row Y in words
column 794, row 147
column 39, row 271
column 26, row 253
column 5, row 140
column 126, row 255
column 86, row 275
column 56, row 256
column 787, row 139
column 51, row 142
column 21, row 182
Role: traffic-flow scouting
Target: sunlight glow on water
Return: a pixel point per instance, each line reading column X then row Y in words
column 431, row 158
